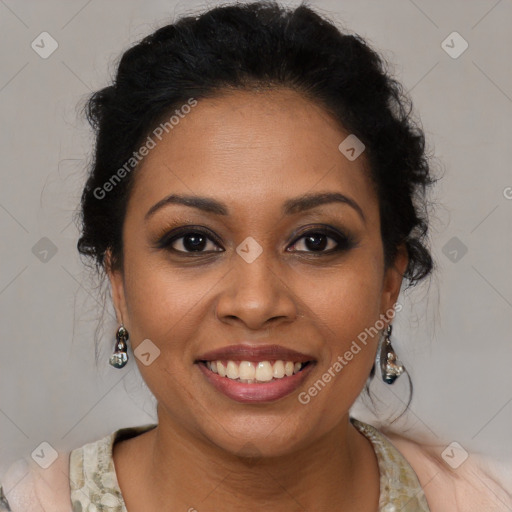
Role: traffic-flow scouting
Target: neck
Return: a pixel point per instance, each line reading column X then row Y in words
column 338, row 472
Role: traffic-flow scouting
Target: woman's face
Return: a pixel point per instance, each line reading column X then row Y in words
column 254, row 265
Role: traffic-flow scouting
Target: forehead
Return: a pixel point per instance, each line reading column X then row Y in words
column 252, row 147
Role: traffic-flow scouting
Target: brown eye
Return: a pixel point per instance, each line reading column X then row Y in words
column 189, row 241
column 321, row 241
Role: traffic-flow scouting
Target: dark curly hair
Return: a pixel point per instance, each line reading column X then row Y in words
column 245, row 46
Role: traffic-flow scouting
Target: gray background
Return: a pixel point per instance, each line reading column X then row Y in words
column 454, row 333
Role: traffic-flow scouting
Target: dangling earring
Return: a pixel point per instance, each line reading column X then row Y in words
column 119, row 358
column 390, row 366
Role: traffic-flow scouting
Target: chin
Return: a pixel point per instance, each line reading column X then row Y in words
column 258, row 435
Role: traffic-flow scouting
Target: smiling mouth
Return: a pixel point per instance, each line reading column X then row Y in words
column 249, row 372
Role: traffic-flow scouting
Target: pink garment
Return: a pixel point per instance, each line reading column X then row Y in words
column 30, row 488
column 480, row 484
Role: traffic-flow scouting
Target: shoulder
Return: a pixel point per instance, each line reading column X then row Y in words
column 93, row 478
column 72, row 477
column 455, row 480
column 28, row 487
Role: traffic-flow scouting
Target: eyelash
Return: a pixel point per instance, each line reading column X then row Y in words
column 344, row 241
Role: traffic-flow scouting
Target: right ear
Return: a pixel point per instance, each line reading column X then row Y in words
column 116, row 278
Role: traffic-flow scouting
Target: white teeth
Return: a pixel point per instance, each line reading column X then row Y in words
column 264, row 371
column 278, row 370
column 246, row 370
column 249, row 372
column 221, row 369
column 232, row 370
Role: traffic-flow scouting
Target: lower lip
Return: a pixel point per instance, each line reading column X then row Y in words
column 256, row 392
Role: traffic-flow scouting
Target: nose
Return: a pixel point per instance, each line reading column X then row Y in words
column 256, row 295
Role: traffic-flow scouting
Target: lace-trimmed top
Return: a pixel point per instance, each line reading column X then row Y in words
column 400, row 490
column 94, row 485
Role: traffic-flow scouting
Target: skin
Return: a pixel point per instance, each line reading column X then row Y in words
column 252, row 151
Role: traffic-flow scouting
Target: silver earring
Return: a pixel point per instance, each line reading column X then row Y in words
column 120, row 357
column 390, row 366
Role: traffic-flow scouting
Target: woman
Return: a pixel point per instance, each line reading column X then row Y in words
column 256, row 200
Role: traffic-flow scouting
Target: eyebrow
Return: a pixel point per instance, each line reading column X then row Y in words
column 290, row 206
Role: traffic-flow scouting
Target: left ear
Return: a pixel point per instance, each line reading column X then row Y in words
column 393, row 277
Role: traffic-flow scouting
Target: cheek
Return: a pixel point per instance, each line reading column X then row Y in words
column 165, row 307
column 346, row 300
column 162, row 303
column 345, row 307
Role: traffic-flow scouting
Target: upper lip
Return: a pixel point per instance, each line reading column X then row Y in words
column 255, row 353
